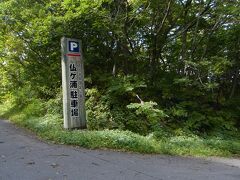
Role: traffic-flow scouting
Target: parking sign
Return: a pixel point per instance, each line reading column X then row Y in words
column 73, row 84
column 73, row 46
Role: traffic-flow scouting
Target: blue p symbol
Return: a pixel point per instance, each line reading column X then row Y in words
column 73, row 46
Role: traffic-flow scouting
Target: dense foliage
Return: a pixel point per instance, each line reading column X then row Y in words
column 149, row 64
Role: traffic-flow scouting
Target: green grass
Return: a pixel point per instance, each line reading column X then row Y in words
column 48, row 126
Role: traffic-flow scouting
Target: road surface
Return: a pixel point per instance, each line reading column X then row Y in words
column 24, row 157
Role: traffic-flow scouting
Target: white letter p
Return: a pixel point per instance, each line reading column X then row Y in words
column 73, row 45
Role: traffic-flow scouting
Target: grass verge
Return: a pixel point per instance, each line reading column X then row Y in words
column 48, row 126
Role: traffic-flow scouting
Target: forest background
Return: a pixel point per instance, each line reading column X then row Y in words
column 152, row 67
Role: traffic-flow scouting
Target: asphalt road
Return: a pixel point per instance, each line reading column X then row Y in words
column 24, row 157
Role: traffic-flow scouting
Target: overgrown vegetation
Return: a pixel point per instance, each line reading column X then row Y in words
column 164, row 74
column 45, row 119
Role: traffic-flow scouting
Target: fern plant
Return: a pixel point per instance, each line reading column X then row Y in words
column 148, row 110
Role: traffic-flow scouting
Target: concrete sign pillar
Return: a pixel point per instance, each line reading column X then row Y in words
column 73, row 84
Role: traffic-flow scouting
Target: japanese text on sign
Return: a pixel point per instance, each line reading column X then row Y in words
column 73, row 85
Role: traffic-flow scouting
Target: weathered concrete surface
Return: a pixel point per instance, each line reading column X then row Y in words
column 24, row 157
